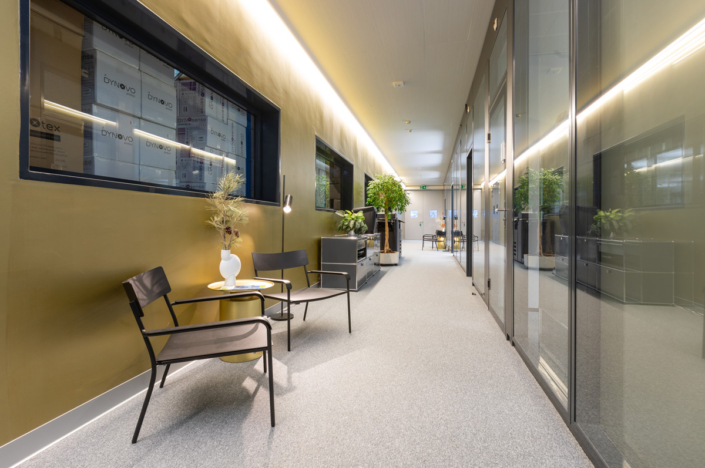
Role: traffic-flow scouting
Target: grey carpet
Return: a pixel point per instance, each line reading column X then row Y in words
column 425, row 379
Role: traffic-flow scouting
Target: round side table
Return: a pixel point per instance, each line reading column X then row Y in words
column 241, row 307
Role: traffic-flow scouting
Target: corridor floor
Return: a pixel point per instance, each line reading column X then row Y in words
column 425, row 379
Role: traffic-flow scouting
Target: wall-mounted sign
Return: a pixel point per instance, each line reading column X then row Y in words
column 433, row 214
column 414, row 213
column 423, row 187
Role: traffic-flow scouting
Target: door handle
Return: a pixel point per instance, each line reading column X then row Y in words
column 496, row 210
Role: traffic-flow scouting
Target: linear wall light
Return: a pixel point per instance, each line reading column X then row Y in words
column 683, row 47
column 277, row 32
column 54, row 107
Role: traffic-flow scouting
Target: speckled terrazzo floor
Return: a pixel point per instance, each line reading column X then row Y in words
column 425, row 379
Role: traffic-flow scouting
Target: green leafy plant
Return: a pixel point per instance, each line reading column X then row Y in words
column 351, row 222
column 228, row 211
column 322, row 191
column 612, row 222
column 386, row 194
column 548, row 184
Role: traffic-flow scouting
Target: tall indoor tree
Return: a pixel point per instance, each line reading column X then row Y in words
column 387, row 194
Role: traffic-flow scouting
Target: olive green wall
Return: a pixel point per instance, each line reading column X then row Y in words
column 66, row 331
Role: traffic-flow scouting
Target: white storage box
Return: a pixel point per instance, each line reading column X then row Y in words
column 156, row 151
column 196, row 99
column 237, row 165
column 115, row 140
column 156, row 68
column 156, row 175
column 202, row 131
column 237, row 114
column 238, row 144
column 110, row 82
column 110, row 168
column 200, row 166
column 158, row 101
column 99, row 37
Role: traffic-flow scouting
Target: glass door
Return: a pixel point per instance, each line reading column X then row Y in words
column 496, row 172
column 479, row 217
column 497, row 245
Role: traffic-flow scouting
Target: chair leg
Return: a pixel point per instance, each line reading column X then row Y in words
column 288, row 327
column 349, row 324
column 264, row 360
column 305, row 311
column 146, row 403
column 166, row 371
column 271, row 384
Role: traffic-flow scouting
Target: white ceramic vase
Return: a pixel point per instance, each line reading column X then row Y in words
column 229, row 267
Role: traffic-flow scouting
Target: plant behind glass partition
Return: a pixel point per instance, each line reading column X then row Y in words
column 611, row 222
column 546, row 183
column 354, row 222
column 228, row 211
column 387, row 194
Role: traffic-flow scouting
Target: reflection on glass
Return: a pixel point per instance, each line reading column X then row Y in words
column 640, row 370
column 540, row 222
column 102, row 106
column 498, row 59
column 479, row 216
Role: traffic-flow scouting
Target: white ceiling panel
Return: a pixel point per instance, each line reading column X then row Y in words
column 365, row 45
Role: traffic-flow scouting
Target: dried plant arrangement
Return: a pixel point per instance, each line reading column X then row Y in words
column 228, row 210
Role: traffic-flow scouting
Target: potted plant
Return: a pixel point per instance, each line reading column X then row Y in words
column 611, row 222
column 228, row 211
column 352, row 223
column 538, row 194
column 387, row 195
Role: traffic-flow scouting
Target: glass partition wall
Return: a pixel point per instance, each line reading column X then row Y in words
column 606, row 295
column 640, row 214
column 541, row 161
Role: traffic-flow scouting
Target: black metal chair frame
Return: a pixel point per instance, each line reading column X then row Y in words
column 295, row 259
column 429, row 237
column 147, row 287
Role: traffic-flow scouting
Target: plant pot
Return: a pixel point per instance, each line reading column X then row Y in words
column 352, row 234
column 229, row 268
column 389, row 258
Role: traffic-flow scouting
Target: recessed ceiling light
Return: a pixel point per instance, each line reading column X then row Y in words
column 398, row 84
column 407, row 122
column 408, row 130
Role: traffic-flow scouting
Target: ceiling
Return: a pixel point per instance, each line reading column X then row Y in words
column 365, row 45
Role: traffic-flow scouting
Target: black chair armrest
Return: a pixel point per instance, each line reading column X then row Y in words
column 286, row 283
column 208, row 326
column 340, row 273
column 218, row 298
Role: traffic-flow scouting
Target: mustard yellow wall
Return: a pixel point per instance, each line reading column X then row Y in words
column 66, row 331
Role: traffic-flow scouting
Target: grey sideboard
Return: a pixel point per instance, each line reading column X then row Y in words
column 356, row 255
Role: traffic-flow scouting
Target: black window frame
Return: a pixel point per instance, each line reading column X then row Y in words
column 347, row 167
column 148, row 31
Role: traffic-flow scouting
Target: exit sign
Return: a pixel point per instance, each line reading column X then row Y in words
column 423, row 187
column 462, row 187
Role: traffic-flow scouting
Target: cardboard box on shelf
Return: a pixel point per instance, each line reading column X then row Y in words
column 156, row 68
column 196, row 99
column 238, row 142
column 100, row 37
column 110, row 83
column 200, row 165
column 237, row 114
column 158, row 101
column 55, row 137
column 237, row 165
column 157, row 175
column 203, row 131
column 156, row 151
column 95, row 165
column 115, row 138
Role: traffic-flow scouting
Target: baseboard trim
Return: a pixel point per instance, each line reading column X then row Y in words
column 30, row 444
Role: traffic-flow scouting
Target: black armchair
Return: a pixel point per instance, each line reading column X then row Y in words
column 194, row 342
column 297, row 258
